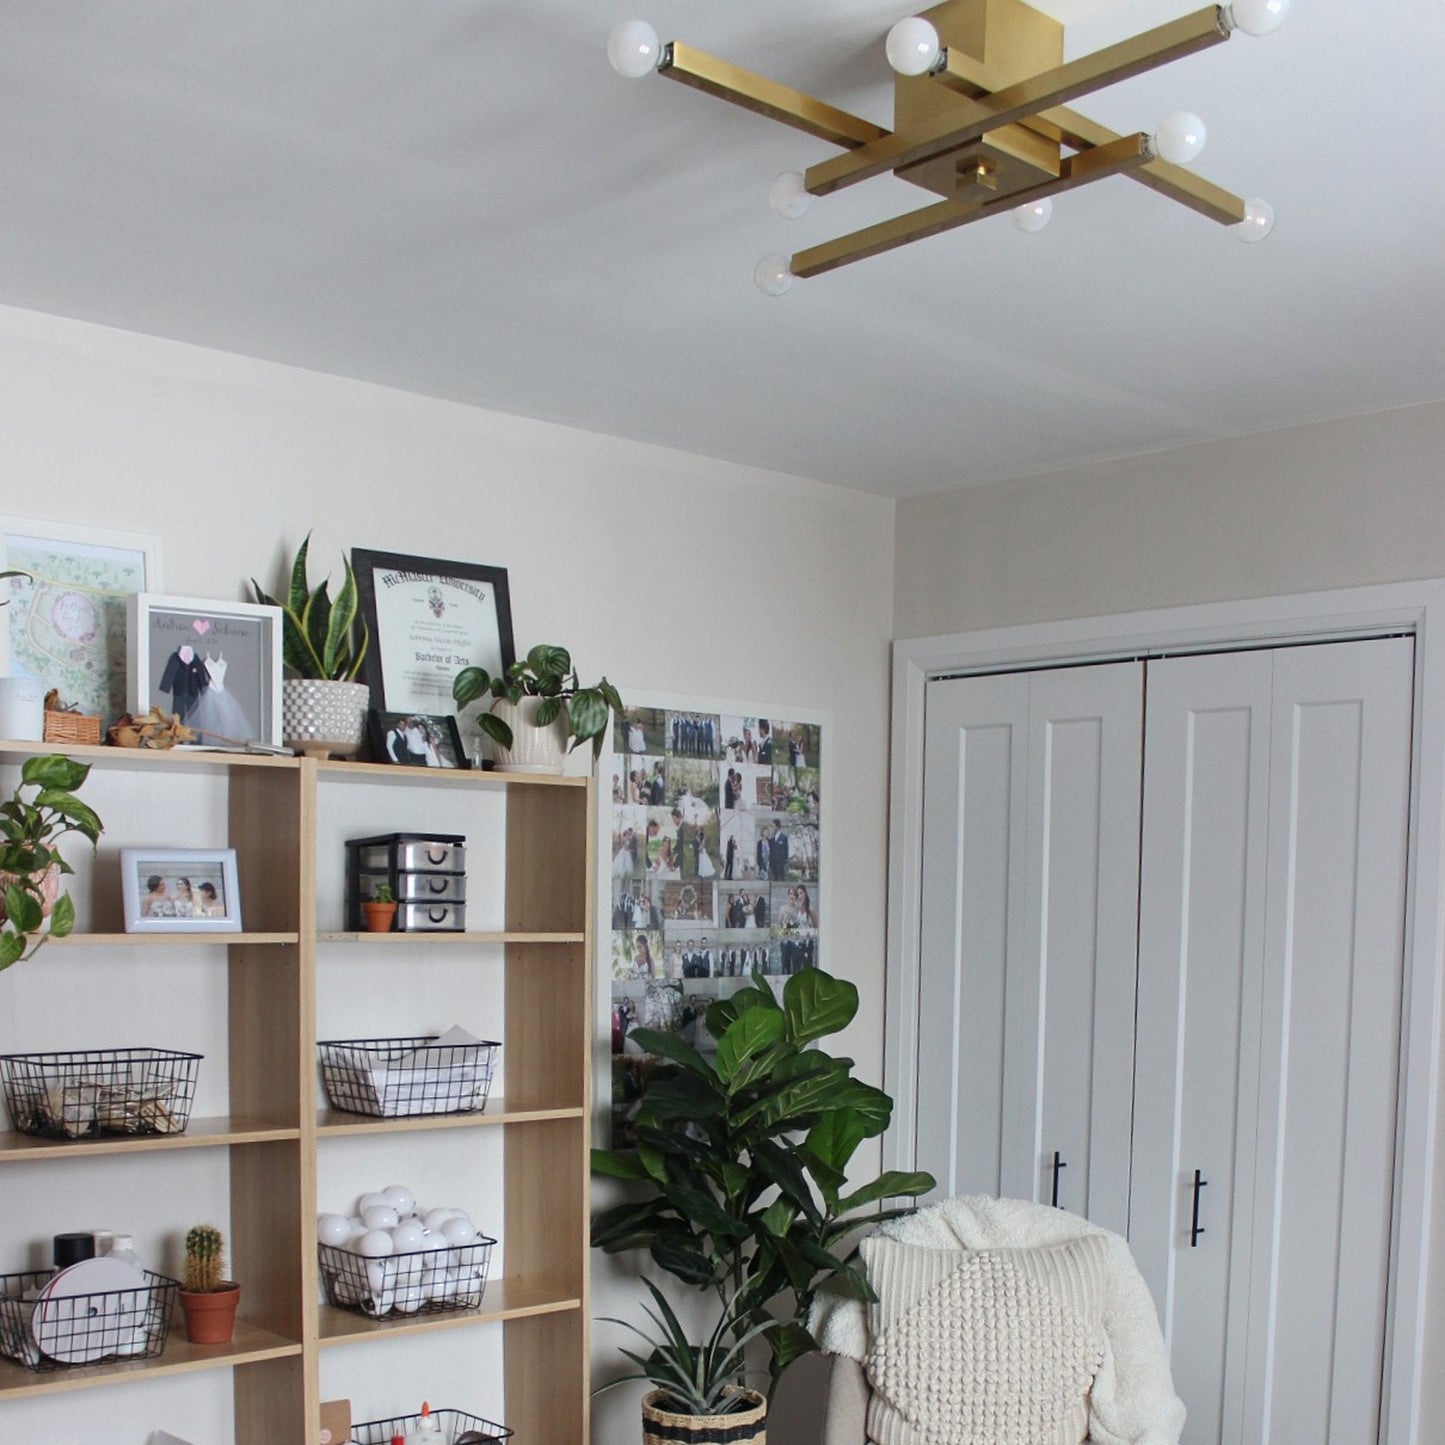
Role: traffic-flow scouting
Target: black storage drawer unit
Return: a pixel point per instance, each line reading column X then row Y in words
column 426, row 873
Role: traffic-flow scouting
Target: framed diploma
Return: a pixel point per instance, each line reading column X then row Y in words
column 428, row 619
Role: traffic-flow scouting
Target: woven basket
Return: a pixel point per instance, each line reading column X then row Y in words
column 71, row 727
column 745, row 1427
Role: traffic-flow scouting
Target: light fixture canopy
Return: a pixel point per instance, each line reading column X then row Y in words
column 982, row 119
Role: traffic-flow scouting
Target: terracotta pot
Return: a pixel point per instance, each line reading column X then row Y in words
column 322, row 718
column 534, row 749
column 745, row 1427
column 211, row 1314
column 378, row 916
column 49, row 890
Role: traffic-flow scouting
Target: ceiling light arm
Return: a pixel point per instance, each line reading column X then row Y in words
column 1122, row 154
column 766, row 97
column 974, row 117
column 1179, row 184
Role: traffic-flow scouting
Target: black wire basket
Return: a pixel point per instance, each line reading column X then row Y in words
column 399, row 1077
column 424, row 1282
column 456, row 1425
column 85, row 1329
column 91, row 1093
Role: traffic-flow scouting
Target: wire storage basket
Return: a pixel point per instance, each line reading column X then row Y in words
column 456, row 1425
column 45, row 1331
column 397, row 1077
column 90, row 1093
column 422, row 1282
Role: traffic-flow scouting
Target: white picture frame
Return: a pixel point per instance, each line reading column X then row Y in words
column 232, row 701
column 180, row 890
column 64, row 626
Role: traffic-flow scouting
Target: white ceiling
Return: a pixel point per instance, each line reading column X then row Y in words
column 460, row 198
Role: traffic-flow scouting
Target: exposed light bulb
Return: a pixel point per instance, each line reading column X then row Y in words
column 788, row 196
column 634, row 49
column 1180, row 138
column 1256, row 17
column 773, row 275
column 913, row 46
column 1258, row 220
column 1033, row 216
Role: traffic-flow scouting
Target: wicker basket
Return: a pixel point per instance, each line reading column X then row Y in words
column 71, row 727
column 744, row 1427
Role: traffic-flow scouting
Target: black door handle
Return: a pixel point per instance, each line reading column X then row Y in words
column 1196, row 1228
column 1057, row 1165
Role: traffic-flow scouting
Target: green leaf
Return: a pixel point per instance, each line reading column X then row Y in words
column 705, row 1213
column 780, row 1166
column 548, row 661
column 789, row 1342
column 299, row 590
column 779, row 1217
column 833, row 1140
column 547, row 711
column 470, row 684
column 82, row 817
column 335, row 655
column 751, row 1033
column 680, row 1097
column 672, row 1046
column 630, row 1226
column 618, row 1164
column 495, row 728
column 22, row 909
column 816, row 1004
column 891, row 1184
column 12, row 948
column 589, row 713
column 690, row 1265
column 50, row 770
column 62, row 916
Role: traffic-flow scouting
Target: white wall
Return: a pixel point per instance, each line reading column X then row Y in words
column 664, row 570
column 1340, row 503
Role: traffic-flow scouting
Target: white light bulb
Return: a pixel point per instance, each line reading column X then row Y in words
column 1033, row 216
column 1256, row 17
column 912, row 46
column 788, row 196
column 634, row 49
column 773, row 275
column 1258, row 220
column 1180, row 138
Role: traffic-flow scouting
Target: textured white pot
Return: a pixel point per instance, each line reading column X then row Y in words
column 534, row 749
column 323, row 719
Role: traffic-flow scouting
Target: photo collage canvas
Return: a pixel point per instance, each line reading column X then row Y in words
column 715, row 871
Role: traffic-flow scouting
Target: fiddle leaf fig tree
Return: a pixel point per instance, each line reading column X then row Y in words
column 740, row 1171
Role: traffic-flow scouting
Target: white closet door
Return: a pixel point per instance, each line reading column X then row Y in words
column 1031, row 828
column 1329, row 1069
column 1201, row 935
column 1270, row 961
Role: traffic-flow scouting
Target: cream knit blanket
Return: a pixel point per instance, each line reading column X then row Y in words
column 1132, row 1401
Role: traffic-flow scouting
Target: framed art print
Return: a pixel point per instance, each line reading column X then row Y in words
column 214, row 665
column 428, row 620
column 180, row 890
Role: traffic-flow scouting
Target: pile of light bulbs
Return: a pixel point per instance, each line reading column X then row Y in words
column 414, row 1256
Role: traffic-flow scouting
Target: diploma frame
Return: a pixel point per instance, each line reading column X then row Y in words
column 488, row 643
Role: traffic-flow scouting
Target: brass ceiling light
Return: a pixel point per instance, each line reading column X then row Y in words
column 980, row 118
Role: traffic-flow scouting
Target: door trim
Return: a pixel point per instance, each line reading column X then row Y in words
column 1417, row 608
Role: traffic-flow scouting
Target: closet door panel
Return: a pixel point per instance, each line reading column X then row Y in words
column 1200, row 985
column 1070, row 1050
column 973, row 842
column 1339, row 818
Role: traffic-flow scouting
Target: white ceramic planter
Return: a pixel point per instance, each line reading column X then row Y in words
column 323, row 719
column 534, row 749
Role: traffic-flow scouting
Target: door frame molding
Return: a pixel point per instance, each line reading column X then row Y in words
column 1417, row 608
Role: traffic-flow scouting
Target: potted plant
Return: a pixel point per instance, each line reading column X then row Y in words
column 539, row 709
column 380, row 909
column 323, row 644
column 42, row 809
column 695, row 1385
column 738, row 1178
column 207, row 1299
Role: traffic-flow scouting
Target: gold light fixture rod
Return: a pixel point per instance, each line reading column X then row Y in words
column 1179, row 184
column 766, row 97
column 974, row 117
column 1122, row 154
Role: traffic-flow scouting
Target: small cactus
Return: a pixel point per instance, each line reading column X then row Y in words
column 205, row 1252
column 382, row 893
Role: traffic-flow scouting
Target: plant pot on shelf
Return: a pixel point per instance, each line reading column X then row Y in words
column 378, row 917
column 534, row 749
column 743, row 1427
column 210, row 1314
column 322, row 718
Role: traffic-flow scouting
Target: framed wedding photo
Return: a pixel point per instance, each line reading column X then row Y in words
column 215, row 665
column 180, row 890
column 428, row 619
column 415, row 740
